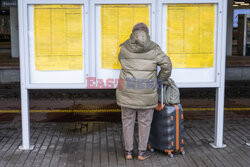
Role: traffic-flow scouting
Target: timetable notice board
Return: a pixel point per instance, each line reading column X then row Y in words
column 117, row 22
column 58, row 37
column 190, row 35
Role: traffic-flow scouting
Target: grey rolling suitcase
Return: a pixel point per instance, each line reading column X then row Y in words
column 167, row 129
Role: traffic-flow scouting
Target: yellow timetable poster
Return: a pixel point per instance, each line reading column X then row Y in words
column 117, row 22
column 190, row 35
column 58, row 37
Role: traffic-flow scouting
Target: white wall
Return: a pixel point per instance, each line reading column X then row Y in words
column 14, row 32
column 229, row 27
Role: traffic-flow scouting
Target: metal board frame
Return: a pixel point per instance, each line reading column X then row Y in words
column 218, row 40
column 93, row 25
column 24, row 61
column 89, row 42
column 220, row 52
column 30, row 85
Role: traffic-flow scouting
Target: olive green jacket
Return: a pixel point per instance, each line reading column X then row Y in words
column 137, row 87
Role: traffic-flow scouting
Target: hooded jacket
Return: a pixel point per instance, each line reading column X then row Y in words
column 139, row 58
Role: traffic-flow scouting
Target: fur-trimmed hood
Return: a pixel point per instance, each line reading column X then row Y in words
column 139, row 42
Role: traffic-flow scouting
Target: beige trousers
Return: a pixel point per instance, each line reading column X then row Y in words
column 145, row 117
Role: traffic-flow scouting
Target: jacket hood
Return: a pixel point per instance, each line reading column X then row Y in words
column 139, row 42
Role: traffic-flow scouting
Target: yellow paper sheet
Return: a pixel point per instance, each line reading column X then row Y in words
column 58, row 37
column 190, row 35
column 117, row 22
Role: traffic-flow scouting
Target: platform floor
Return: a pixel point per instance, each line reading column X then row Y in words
column 100, row 144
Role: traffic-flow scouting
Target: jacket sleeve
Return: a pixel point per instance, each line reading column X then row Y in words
column 119, row 55
column 164, row 62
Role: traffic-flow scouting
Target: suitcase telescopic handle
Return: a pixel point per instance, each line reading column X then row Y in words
column 162, row 95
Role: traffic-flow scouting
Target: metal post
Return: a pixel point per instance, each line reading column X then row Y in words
column 24, row 91
column 220, row 91
column 219, row 118
column 25, row 120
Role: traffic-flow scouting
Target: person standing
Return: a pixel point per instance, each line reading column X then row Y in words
column 137, row 89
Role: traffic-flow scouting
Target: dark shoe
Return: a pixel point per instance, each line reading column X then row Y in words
column 129, row 155
column 142, row 155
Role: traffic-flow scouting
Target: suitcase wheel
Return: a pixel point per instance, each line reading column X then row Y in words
column 171, row 155
column 152, row 149
column 183, row 152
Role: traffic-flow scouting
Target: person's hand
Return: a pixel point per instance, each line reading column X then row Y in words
column 159, row 82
